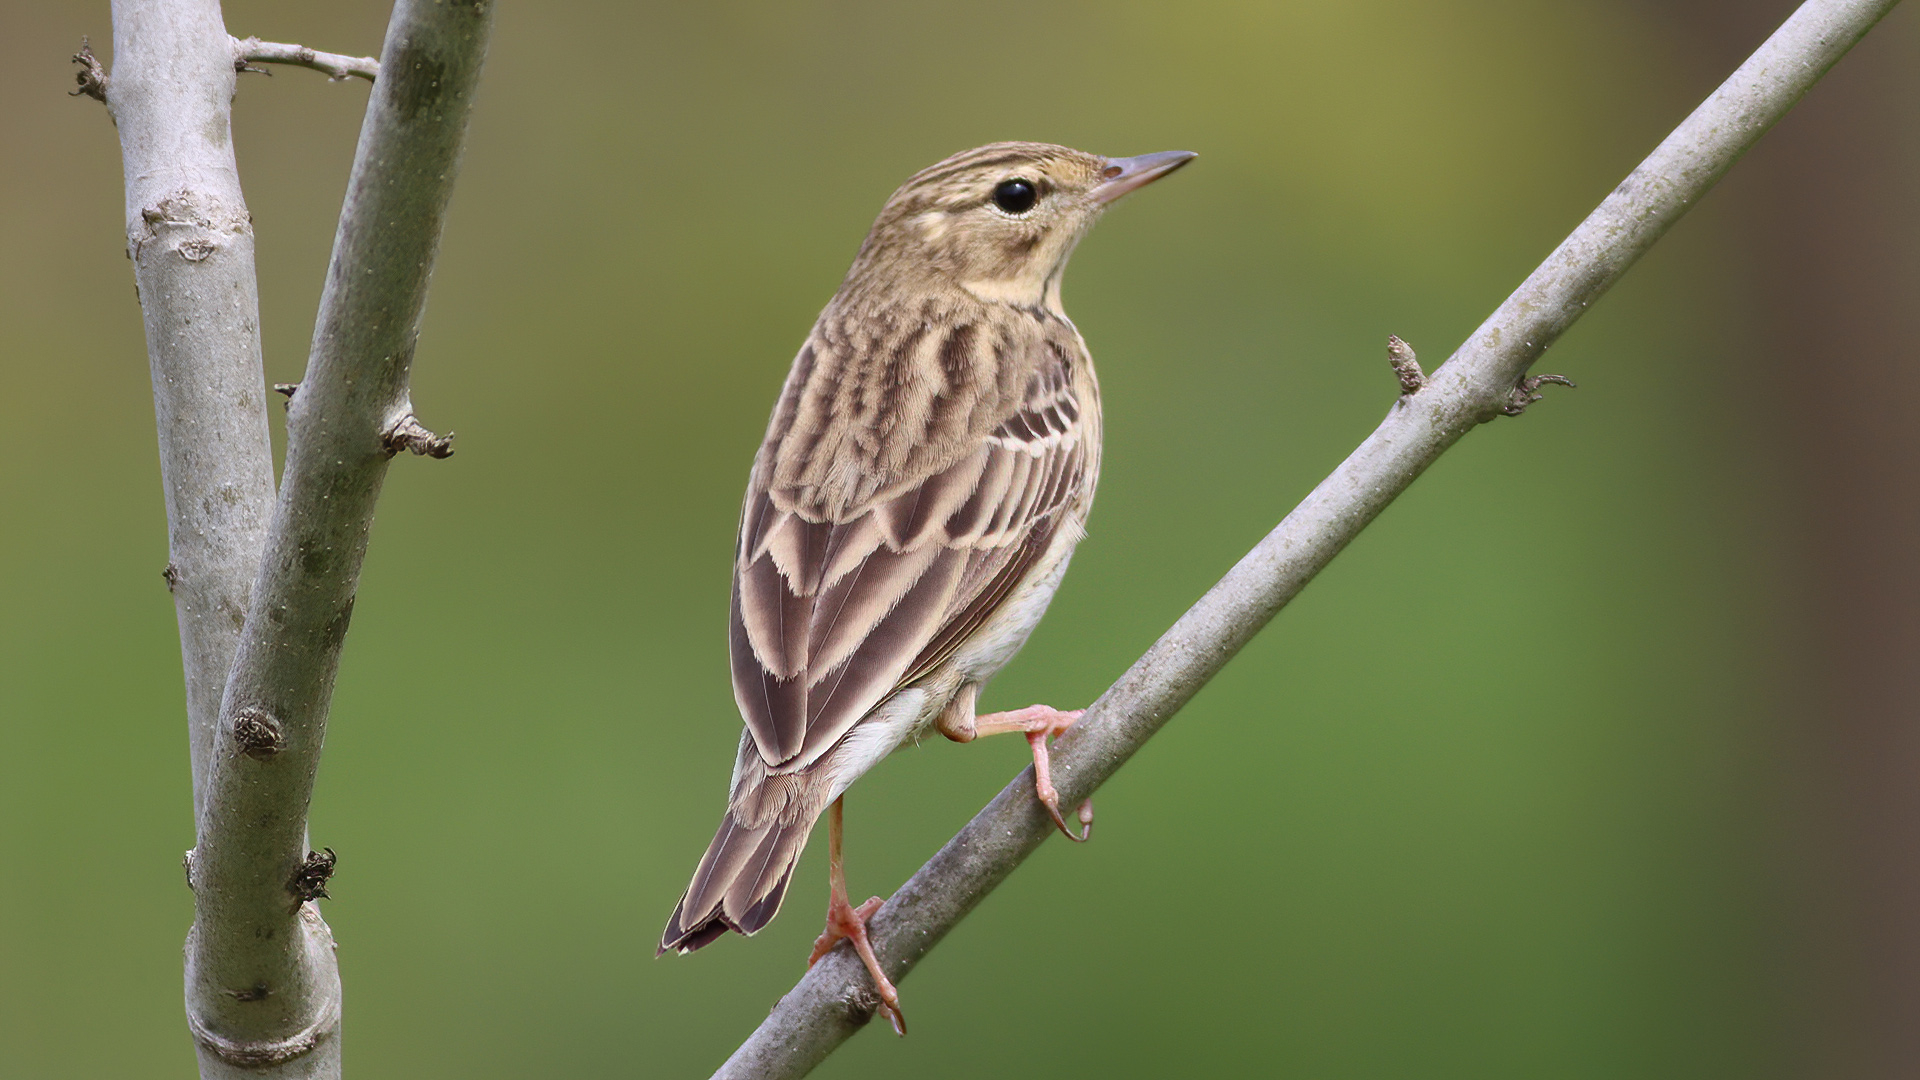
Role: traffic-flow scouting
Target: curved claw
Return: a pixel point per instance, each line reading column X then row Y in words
column 895, row 1017
column 1038, row 723
column 1049, row 797
column 1085, row 815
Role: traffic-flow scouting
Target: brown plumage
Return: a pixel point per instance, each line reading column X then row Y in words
column 923, row 481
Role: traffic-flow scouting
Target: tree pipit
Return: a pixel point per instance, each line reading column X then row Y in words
column 924, row 479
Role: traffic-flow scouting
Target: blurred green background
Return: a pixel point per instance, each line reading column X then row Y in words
column 1532, row 782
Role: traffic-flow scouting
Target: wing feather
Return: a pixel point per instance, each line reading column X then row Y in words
column 765, row 698
column 863, row 566
column 850, row 611
column 969, row 523
column 995, row 572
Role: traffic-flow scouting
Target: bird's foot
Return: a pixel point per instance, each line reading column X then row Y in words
column 849, row 922
column 1040, row 723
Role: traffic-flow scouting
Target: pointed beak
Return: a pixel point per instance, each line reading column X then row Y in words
column 1123, row 174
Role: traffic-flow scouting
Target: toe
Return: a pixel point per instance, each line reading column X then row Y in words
column 895, row 1017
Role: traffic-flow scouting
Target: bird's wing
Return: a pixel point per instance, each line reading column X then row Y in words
column 838, row 602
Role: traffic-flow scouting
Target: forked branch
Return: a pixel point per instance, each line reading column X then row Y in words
column 1485, row 378
column 263, row 995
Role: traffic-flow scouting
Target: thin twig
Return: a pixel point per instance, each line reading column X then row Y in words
column 249, row 51
column 255, row 877
column 1474, row 386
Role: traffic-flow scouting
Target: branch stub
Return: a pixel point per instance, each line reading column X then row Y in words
column 309, row 882
column 1525, row 392
column 257, row 734
column 407, row 433
column 91, row 76
column 1406, row 366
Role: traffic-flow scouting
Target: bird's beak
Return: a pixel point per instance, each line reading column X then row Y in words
column 1123, row 174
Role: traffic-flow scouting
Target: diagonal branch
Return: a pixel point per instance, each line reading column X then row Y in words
column 1483, row 379
column 263, row 990
column 254, row 51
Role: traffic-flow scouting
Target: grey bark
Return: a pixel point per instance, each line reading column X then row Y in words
column 1481, row 381
column 262, row 985
column 191, row 241
column 264, row 587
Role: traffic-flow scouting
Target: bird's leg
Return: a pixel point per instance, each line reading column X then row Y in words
column 849, row 922
column 1038, row 723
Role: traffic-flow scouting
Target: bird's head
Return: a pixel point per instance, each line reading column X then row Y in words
column 998, row 221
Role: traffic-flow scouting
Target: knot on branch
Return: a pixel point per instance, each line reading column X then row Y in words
column 257, row 734
column 1405, row 365
column 309, row 882
column 196, row 225
column 1525, row 392
column 91, row 76
column 407, row 433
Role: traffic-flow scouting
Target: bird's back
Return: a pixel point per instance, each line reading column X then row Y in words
column 916, row 468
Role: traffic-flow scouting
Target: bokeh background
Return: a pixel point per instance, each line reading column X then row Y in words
column 1594, row 757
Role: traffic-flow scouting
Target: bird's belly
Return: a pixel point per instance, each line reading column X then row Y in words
column 896, row 722
column 993, row 645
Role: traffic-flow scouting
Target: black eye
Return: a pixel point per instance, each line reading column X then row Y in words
column 1015, row 196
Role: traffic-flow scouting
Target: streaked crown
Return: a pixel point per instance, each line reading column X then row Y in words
column 999, row 221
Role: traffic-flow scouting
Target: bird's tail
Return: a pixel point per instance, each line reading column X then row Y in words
column 740, row 882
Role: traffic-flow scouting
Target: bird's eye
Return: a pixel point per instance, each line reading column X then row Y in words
column 1015, row 196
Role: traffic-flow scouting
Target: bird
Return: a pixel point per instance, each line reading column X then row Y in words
column 925, row 477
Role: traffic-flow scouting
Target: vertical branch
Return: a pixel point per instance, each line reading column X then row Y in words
column 262, row 987
column 191, row 242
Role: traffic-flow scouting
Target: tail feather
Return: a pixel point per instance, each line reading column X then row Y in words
column 740, row 882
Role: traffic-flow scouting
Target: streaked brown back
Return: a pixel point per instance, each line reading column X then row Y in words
column 916, row 465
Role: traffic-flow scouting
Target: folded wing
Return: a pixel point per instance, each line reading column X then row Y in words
column 834, row 611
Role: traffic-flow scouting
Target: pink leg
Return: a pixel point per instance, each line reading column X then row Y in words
column 849, row 922
column 1040, row 723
